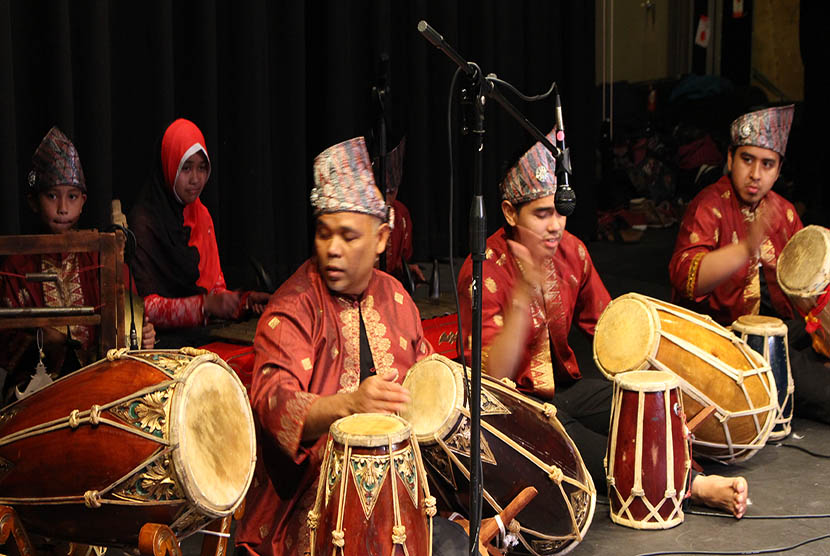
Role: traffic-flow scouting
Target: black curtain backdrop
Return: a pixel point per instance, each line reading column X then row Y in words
column 271, row 84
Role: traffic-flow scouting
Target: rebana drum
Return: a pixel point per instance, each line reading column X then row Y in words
column 648, row 463
column 768, row 336
column 803, row 273
column 372, row 495
column 715, row 368
column 140, row 437
column 522, row 444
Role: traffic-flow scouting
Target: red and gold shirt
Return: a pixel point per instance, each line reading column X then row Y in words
column 308, row 346
column 716, row 218
column 572, row 289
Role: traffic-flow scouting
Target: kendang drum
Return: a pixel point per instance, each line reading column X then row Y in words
column 803, row 273
column 768, row 336
column 162, row 437
column 714, row 367
column 648, row 464
column 522, row 444
column 372, row 495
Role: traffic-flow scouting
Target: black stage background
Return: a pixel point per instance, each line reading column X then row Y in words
column 271, row 84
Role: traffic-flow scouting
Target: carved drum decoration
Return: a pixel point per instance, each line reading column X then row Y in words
column 141, row 437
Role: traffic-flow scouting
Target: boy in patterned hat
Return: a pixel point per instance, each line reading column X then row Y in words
column 56, row 192
column 538, row 281
column 336, row 338
column 727, row 249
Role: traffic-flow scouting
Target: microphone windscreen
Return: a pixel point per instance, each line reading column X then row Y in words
column 564, row 200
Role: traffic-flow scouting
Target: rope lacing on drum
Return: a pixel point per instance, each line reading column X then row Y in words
column 556, row 475
column 95, row 414
column 92, row 499
column 399, row 534
column 429, row 506
column 313, row 519
column 117, row 353
column 337, row 538
column 549, row 410
column 74, row 420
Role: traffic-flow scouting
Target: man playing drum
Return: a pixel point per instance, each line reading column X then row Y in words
column 727, row 249
column 538, row 280
column 336, row 338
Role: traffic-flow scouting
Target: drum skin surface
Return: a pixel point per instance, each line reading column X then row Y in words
column 141, row 437
column 522, row 444
column 714, row 368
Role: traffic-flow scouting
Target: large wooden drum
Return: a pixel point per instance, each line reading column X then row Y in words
column 803, row 273
column 522, row 444
column 648, row 464
column 768, row 336
column 141, row 437
column 372, row 495
column 715, row 368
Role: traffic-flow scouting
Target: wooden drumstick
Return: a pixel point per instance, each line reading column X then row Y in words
column 490, row 527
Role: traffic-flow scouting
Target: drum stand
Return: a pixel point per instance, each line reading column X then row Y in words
column 12, row 528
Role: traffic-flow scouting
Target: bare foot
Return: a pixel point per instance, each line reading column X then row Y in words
column 724, row 493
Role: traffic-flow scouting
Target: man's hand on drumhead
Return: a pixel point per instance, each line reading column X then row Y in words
column 379, row 394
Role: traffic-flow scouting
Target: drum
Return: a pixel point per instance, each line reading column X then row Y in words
column 372, row 495
column 715, row 368
column 522, row 444
column 803, row 273
column 768, row 336
column 141, row 437
column 648, row 465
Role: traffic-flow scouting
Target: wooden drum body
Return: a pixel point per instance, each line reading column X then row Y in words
column 648, row 463
column 714, row 367
column 140, row 437
column 768, row 336
column 522, row 444
column 372, row 496
column 803, row 273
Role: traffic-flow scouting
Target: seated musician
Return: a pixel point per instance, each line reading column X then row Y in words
column 336, row 338
column 56, row 192
column 726, row 254
column 538, row 280
column 177, row 265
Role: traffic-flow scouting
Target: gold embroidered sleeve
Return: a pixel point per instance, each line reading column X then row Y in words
column 691, row 281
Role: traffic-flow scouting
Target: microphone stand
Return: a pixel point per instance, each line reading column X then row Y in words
column 379, row 92
column 480, row 88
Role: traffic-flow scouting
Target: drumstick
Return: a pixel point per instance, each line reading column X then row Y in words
column 490, row 527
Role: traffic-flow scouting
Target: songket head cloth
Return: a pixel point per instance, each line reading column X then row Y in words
column 344, row 182
column 56, row 162
column 533, row 177
column 768, row 128
column 182, row 140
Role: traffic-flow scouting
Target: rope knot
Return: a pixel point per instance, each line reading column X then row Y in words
column 429, row 506
column 549, row 410
column 556, row 475
column 95, row 414
column 337, row 538
column 313, row 519
column 74, row 420
column 399, row 534
column 92, row 499
column 118, row 353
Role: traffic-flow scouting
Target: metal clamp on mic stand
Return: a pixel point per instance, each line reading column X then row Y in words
column 481, row 87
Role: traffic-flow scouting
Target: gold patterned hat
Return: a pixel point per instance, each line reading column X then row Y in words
column 56, row 162
column 533, row 177
column 344, row 181
column 768, row 128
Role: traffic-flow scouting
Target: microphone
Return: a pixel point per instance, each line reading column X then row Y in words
column 564, row 199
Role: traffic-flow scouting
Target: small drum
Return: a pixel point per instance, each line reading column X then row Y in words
column 803, row 273
column 372, row 496
column 768, row 336
column 648, row 464
column 715, row 368
column 141, row 437
column 522, row 444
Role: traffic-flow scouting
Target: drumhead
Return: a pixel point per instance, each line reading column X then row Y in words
column 803, row 267
column 213, row 426
column 647, row 381
column 760, row 325
column 369, row 430
column 626, row 335
column 436, row 391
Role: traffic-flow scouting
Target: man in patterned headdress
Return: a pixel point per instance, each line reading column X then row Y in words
column 336, row 338
column 538, row 281
column 727, row 248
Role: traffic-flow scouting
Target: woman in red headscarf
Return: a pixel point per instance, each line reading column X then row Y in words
column 177, row 265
